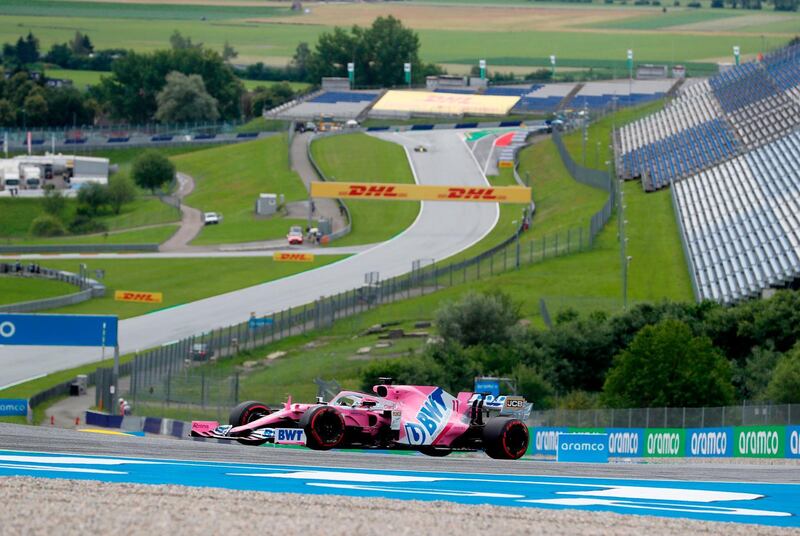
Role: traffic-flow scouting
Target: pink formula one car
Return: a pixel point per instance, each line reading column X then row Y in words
column 414, row 417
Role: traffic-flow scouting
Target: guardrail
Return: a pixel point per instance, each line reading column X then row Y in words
column 79, row 248
column 89, row 288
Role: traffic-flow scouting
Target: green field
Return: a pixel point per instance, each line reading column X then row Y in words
column 147, row 235
column 15, row 289
column 178, row 279
column 229, row 179
column 275, row 43
column 250, row 85
column 81, row 79
column 359, row 157
column 666, row 20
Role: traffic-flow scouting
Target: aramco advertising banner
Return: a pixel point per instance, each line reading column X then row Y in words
column 720, row 442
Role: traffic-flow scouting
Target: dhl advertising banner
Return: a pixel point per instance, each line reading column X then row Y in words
column 416, row 192
column 138, row 297
column 289, row 256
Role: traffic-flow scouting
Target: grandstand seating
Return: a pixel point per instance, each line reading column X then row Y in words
column 680, row 154
column 334, row 97
column 457, row 91
column 741, row 221
column 511, row 91
column 748, row 106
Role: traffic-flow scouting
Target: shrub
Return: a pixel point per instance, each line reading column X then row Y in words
column 784, row 387
column 54, row 202
column 83, row 224
column 47, row 225
column 478, row 318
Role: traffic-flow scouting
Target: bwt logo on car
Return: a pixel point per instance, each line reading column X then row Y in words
column 471, row 193
column 759, row 443
column 357, row 190
column 709, row 443
column 623, row 443
column 7, row 330
column 289, row 436
column 664, row 443
column 432, row 416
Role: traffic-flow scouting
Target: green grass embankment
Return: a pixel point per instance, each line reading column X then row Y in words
column 363, row 158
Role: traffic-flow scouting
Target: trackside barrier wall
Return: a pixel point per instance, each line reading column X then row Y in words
column 717, row 442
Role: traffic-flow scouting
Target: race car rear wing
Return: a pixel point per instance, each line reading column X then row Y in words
column 505, row 405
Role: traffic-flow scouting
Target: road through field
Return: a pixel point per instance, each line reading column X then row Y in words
column 441, row 230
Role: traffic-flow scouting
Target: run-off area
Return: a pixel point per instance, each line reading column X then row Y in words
column 757, row 503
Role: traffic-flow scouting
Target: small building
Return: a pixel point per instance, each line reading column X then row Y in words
column 62, row 172
column 649, row 71
column 335, row 83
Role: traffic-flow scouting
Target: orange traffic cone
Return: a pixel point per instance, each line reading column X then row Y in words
column 77, row 421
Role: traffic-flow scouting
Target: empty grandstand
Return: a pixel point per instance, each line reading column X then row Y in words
column 335, row 104
column 600, row 95
column 545, row 98
column 730, row 146
column 735, row 111
column 741, row 222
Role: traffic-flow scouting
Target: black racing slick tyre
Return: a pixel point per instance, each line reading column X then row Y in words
column 434, row 452
column 324, row 428
column 505, row 438
column 248, row 412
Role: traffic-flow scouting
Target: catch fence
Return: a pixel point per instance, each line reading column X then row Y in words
column 746, row 414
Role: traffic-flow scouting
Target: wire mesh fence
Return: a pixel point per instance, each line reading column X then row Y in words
column 746, row 414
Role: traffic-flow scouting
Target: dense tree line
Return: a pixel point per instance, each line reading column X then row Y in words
column 378, row 53
column 27, row 102
column 665, row 354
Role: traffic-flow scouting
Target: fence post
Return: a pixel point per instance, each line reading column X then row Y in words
column 544, row 247
column 518, row 250
column 203, row 389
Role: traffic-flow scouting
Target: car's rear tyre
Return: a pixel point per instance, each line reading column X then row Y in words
column 435, row 452
column 247, row 412
column 505, row 438
column 324, row 428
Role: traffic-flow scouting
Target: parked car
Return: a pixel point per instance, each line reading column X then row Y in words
column 201, row 352
column 210, row 218
column 295, row 236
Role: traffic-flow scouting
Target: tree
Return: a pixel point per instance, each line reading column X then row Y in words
column 178, row 42
column 666, row 365
column 784, row 387
column 35, row 109
column 270, row 97
column 121, row 191
column 228, row 52
column 59, row 54
column 152, row 170
column 185, row 99
column 478, row 318
column 7, row 118
column 137, row 79
column 54, row 203
column 378, row 52
column 81, row 45
column 93, row 197
column 47, row 225
column 301, row 61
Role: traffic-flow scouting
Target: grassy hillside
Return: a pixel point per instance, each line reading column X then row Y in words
column 18, row 289
column 229, row 179
column 181, row 280
column 359, row 157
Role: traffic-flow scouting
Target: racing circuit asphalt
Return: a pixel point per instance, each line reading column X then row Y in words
column 441, row 230
column 56, row 440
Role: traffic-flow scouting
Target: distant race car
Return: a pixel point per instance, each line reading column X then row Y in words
column 295, row 236
column 409, row 417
